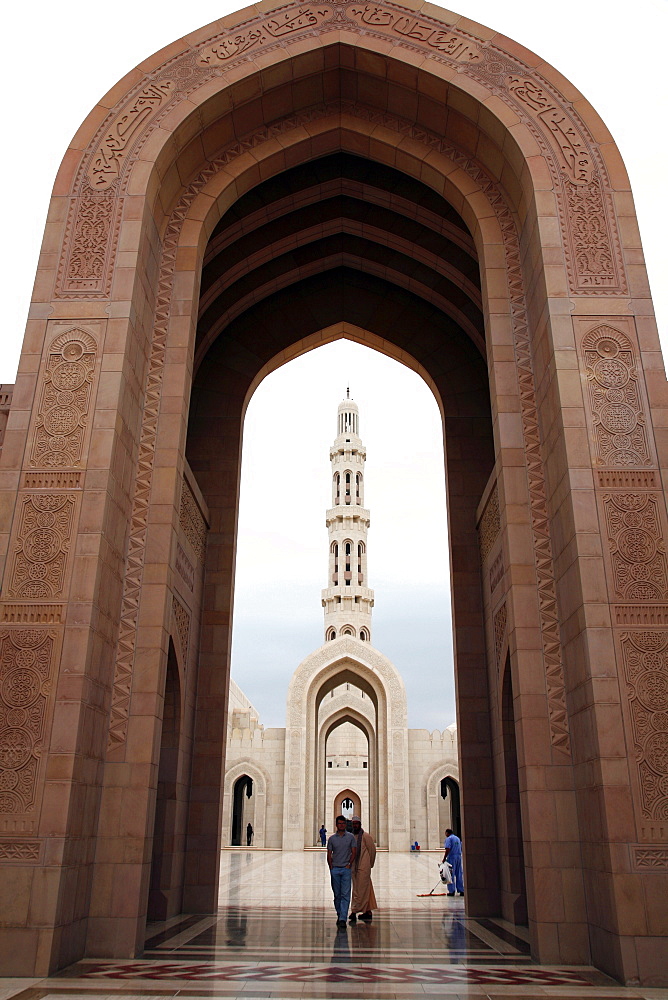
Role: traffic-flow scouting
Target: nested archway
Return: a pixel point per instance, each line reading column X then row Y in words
column 526, row 363
column 340, row 661
column 366, row 723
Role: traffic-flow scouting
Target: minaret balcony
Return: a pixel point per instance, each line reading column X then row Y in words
column 365, row 594
column 348, row 512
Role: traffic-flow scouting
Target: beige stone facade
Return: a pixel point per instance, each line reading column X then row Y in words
column 480, row 229
column 404, row 802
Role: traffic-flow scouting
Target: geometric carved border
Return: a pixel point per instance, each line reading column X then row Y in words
column 547, row 602
column 24, row 851
column 641, row 614
column 652, row 858
column 32, row 614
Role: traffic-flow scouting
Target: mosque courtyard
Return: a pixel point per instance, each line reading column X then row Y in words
column 275, row 936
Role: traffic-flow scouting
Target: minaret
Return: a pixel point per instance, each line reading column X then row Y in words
column 347, row 600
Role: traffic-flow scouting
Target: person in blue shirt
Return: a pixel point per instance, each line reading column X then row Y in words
column 453, row 855
column 341, row 853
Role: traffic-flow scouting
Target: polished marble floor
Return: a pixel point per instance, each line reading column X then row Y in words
column 275, row 936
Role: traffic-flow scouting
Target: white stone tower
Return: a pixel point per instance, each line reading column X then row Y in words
column 347, row 600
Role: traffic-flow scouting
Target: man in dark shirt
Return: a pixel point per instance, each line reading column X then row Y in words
column 341, row 851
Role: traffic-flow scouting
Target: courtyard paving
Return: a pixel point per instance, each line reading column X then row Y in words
column 275, row 936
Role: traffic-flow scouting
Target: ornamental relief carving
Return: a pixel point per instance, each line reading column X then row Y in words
column 587, row 214
column 25, row 669
column 91, row 238
column 619, row 437
column 655, row 858
column 124, row 130
column 182, row 620
column 637, row 552
column 63, row 401
column 41, row 546
column 500, row 623
column 20, row 850
column 490, row 523
column 192, row 521
column 645, row 659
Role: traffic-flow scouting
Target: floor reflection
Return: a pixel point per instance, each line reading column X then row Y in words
column 275, row 936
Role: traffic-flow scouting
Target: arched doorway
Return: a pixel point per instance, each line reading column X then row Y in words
column 242, row 812
column 493, row 260
column 346, row 803
column 449, row 806
column 246, row 789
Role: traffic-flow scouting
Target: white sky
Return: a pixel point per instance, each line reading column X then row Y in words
column 60, row 58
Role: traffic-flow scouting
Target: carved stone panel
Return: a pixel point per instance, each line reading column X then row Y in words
column 64, row 398
column 616, row 406
column 500, row 622
column 182, row 620
column 645, row 659
column 637, row 550
column 25, row 677
column 192, row 521
column 490, row 523
column 41, row 546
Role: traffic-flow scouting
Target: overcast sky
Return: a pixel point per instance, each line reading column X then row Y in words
column 58, row 59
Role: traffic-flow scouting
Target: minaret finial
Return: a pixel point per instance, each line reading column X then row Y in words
column 348, row 392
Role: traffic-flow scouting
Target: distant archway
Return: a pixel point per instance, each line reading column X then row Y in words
column 242, row 776
column 344, row 660
column 446, row 772
column 346, row 803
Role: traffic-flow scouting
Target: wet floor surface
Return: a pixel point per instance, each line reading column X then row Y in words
column 275, row 936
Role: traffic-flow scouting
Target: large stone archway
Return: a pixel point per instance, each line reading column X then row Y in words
column 543, row 358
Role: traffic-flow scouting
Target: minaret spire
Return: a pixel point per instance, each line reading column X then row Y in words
column 347, row 600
